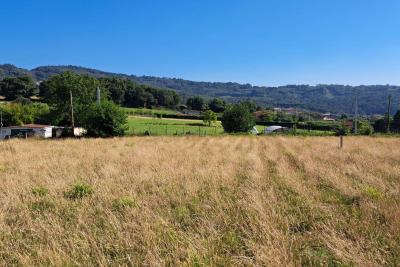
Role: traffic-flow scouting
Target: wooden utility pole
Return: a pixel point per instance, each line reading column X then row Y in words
column 72, row 113
column 388, row 114
column 98, row 95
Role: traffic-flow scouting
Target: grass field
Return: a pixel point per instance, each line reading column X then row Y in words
column 155, row 126
column 198, row 201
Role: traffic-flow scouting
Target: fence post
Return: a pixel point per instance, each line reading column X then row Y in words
column 341, row 142
column 199, row 131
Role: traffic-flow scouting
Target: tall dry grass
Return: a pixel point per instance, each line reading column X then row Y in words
column 194, row 201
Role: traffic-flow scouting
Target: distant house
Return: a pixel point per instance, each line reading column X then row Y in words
column 275, row 129
column 27, row 130
column 328, row 118
column 290, row 111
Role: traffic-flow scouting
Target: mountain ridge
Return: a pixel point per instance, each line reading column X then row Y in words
column 323, row 98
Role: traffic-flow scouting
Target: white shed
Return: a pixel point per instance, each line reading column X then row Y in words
column 27, row 130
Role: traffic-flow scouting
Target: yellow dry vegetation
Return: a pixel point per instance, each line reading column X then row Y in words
column 200, row 201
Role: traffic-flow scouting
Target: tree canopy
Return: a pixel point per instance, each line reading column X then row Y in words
column 195, row 103
column 13, row 87
column 104, row 120
column 237, row 118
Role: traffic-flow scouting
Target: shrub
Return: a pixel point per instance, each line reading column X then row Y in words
column 40, row 191
column 41, row 205
column 123, row 203
column 104, row 120
column 209, row 117
column 372, row 192
column 237, row 118
column 80, row 190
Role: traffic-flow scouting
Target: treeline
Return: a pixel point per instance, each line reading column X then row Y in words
column 333, row 98
column 130, row 94
column 120, row 90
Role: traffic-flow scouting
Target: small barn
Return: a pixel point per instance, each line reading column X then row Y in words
column 275, row 129
column 27, row 130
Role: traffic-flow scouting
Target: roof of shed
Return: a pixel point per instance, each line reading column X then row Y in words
column 30, row 126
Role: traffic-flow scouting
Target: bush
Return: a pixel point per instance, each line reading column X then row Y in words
column 104, row 120
column 364, row 128
column 209, row 117
column 40, row 191
column 80, row 190
column 17, row 113
column 237, row 118
column 123, row 203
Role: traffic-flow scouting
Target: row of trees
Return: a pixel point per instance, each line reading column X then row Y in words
column 388, row 123
column 198, row 103
column 130, row 94
column 121, row 91
column 67, row 90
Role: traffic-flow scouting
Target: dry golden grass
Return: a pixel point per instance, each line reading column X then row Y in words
column 192, row 201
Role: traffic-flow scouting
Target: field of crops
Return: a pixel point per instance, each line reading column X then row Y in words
column 200, row 201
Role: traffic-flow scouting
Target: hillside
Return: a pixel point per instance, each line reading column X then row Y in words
column 324, row 98
column 192, row 201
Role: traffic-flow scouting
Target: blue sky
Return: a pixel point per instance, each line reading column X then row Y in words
column 262, row 42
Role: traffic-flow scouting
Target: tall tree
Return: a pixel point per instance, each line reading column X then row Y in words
column 195, row 103
column 56, row 92
column 13, row 87
column 209, row 117
column 217, row 105
column 395, row 124
column 237, row 118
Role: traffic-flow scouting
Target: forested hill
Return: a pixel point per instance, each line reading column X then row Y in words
column 324, row 98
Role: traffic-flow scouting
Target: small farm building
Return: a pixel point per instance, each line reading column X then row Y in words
column 27, row 130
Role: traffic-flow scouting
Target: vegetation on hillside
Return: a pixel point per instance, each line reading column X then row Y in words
column 324, row 98
column 229, row 201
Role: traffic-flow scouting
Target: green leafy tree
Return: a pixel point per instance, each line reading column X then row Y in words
column 250, row 105
column 13, row 87
column 237, row 118
column 364, row 127
column 56, row 92
column 380, row 126
column 395, row 124
column 217, row 105
column 209, row 117
column 104, row 120
column 195, row 103
column 18, row 114
column 116, row 88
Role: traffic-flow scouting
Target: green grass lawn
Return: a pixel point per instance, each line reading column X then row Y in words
column 155, row 126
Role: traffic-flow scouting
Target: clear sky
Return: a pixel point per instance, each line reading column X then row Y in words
column 262, row 42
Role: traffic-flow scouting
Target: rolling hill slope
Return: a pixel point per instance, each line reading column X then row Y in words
column 324, row 98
